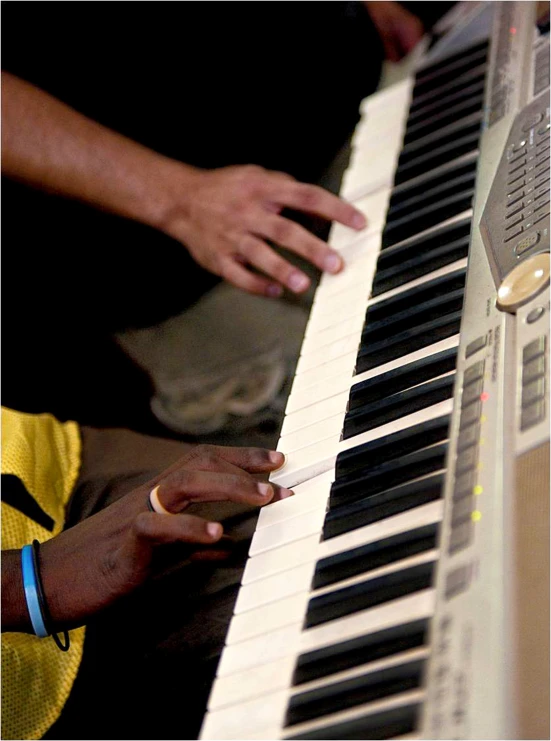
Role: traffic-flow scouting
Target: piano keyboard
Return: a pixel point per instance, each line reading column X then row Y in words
column 331, row 630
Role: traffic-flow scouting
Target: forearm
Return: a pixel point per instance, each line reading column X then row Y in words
column 15, row 616
column 49, row 145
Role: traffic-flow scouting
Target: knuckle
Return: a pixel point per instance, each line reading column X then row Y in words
column 308, row 197
column 143, row 525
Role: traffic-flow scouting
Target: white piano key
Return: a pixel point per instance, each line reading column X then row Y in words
column 329, row 428
column 232, row 722
column 308, row 496
column 423, row 415
column 307, row 463
column 315, row 413
column 260, row 650
column 279, row 558
column 339, row 308
column 301, row 551
column 405, row 699
column 287, row 531
column 338, row 367
column 325, row 354
column 374, row 207
column 267, row 617
column 293, row 581
column 325, row 389
column 388, row 615
column 425, row 514
column 251, row 683
column 326, row 335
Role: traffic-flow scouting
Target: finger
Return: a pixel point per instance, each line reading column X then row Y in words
column 157, row 530
column 253, row 460
column 184, row 487
column 315, row 200
column 244, row 279
column 266, row 259
column 298, row 239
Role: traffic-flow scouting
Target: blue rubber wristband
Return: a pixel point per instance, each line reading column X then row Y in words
column 31, row 592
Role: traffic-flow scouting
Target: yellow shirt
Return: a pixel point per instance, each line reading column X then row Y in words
column 37, row 677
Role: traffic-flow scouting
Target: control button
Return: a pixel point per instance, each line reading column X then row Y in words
column 514, row 234
column 473, row 372
column 516, row 188
column 517, row 166
column 518, row 153
column 468, row 437
column 519, row 146
column 516, row 199
column 532, row 392
column 541, row 218
column 464, row 485
column 544, row 129
column 472, row 392
column 527, row 243
column 524, row 282
column 534, row 369
column 534, row 121
column 457, row 580
column 515, row 179
column 461, row 537
column 470, row 415
column 535, row 314
column 517, row 210
column 534, row 349
column 476, row 345
column 469, row 457
column 461, row 510
column 532, row 415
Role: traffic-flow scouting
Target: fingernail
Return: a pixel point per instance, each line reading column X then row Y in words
column 332, row 263
column 274, row 291
column 358, row 221
column 298, row 282
column 264, row 489
column 284, row 493
column 214, row 529
column 277, row 458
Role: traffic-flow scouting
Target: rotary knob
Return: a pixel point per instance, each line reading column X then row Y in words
column 524, row 282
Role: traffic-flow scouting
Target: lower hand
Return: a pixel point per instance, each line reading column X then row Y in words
column 89, row 566
column 226, row 216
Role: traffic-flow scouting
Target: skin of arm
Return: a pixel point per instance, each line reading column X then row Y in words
column 89, row 566
column 222, row 216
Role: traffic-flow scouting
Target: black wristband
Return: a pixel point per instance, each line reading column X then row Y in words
column 43, row 604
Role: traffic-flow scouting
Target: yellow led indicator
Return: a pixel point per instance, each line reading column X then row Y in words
column 482, row 442
column 476, row 515
column 482, row 418
column 479, row 466
column 478, row 490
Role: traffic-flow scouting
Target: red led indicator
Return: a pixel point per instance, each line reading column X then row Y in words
column 512, row 30
column 484, row 396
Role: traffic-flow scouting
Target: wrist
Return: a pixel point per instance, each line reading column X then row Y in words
column 15, row 615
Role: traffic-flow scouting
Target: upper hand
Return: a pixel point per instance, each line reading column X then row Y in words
column 89, row 566
column 226, row 216
column 399, row 29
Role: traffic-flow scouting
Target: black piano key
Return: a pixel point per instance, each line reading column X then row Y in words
column 416, row 267
column 371, row 556
column 386, row 475
column 388, row 724
column 445, row 71
column 431, row 159
column 441, row 142
column 383, row 411
column 408, row 341
column 385, row 327
column 382, row 505
column 433, row 181
column 432, row 189
column 401, row 378
column 469, row 91
column 428, row 290
column 360, row 458
column 398, row 229
column 336, row 657
column 369, row 593
column 433, row 123
column 421, row 104
column 355, row 691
